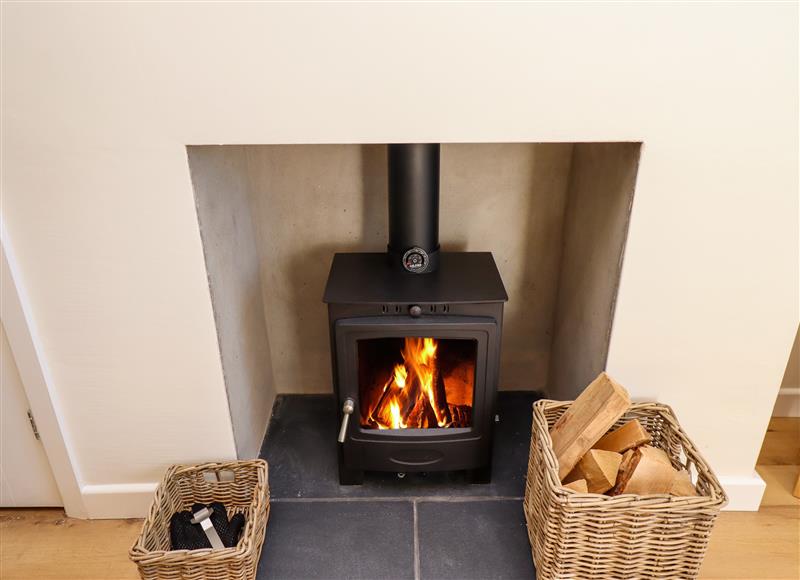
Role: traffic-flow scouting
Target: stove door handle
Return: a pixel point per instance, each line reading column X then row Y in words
column 347, row 409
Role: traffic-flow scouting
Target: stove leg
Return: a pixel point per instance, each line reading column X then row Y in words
column 349, row 476
column 481, row 475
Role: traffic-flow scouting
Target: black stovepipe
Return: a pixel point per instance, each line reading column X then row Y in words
column 414, row 206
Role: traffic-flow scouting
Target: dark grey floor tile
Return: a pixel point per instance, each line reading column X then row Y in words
column 480, row 540
column 512, row 441
column 339, row 540
column 301, row 449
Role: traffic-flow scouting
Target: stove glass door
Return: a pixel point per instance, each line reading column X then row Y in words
column 416, row 382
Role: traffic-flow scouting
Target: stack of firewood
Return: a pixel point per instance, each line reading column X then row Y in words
column 592, row 459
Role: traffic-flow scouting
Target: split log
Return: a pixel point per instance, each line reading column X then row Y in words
column 598, row 468
column 629, row 460
column 422, row 415
column 630, row 464
column 648, row 470
column 656, row 454
column 653, row 473
column 682, row 484
column 376, row 410
column 414, row 416
column 440, row 397
column 630, row 435
column 589, row 417
column 461, row 414
column 578, row 485
column 412, row 393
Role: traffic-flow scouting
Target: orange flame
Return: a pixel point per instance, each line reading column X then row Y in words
column 416, row 395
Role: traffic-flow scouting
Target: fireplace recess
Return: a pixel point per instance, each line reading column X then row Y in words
column 415, row 340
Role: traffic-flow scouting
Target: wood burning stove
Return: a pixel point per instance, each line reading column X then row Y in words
column 415, row 339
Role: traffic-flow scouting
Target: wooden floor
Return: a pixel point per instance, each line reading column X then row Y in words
column 764, row 544
column 42, row 544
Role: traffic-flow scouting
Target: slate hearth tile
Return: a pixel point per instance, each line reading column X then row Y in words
column 301, row 449
column 480, row 540
column 512, row 441
column 340, row 539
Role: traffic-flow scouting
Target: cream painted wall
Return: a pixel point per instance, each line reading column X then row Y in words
column 26, row 479
column 99, row 100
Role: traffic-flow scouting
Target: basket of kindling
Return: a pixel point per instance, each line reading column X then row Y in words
column 241, row 486
column 616, row 490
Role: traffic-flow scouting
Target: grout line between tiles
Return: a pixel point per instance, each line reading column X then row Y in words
column 416, row 543
column 414, row 499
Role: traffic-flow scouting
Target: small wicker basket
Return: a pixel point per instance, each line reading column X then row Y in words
column 593, row 536
column 241, row 485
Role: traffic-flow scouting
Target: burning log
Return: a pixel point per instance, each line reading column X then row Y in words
column 440, row 405
column 412, row 393
column 422, row 416
column 415, row 395
column 374, row 414
column 461, row 414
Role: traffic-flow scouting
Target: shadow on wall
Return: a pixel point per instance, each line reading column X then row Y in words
column 310, row 201
column 509, row 199
column 307, row 352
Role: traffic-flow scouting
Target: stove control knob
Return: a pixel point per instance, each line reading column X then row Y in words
column 415, row 311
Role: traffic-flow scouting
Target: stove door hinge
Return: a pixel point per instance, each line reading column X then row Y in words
column 33, row 426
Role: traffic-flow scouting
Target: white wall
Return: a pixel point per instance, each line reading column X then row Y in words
column 99, row 101
column 26, row 479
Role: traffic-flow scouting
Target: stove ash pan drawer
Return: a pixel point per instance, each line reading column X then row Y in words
column 401, row 456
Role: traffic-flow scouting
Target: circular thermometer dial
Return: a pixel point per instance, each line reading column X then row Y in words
column 415, row 260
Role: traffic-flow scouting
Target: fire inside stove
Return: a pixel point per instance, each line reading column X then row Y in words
column 416, row 382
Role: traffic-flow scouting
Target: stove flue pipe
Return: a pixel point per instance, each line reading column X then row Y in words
column 414, row 206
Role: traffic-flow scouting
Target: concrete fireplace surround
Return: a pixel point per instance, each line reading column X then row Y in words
column 554, row 215
column 102, row 242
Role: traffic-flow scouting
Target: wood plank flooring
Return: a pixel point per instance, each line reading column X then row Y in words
column 782, row 442
column 750, row 545
column 764, row 544
column 43, row 544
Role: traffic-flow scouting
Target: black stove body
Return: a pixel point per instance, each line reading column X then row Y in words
column 415, row 340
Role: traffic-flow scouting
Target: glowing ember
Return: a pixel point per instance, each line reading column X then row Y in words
column 417, row 395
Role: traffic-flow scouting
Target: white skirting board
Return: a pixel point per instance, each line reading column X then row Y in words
column 132, row 500
column 118, row 500
column 744, row 493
